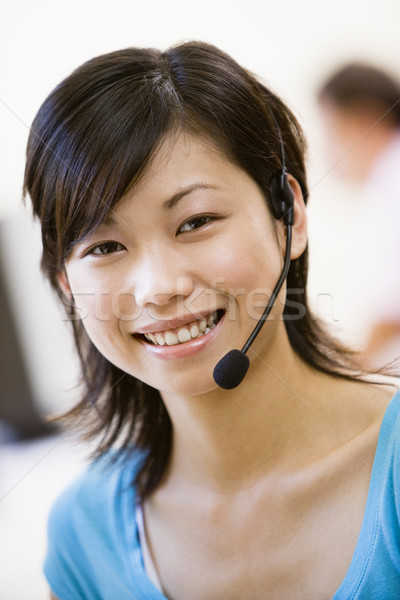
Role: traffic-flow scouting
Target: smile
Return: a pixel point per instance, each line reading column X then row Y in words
column 186, row 333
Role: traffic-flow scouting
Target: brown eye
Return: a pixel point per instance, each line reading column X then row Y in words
column 195, row 223
column 106, row 248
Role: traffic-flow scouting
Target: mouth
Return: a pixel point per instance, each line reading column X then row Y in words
column 181, row 335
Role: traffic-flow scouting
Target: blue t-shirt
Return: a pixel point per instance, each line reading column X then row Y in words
column 94, row 552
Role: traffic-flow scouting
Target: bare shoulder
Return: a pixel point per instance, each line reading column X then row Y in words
column 53, row 597
column 351, row 411
column 373, row 398
column 361, row 407
column 365, row 401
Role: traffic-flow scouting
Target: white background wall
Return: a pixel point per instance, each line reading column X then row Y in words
column 291, row 44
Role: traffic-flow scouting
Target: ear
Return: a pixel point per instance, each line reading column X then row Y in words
column 63, row 282
column 299, row 228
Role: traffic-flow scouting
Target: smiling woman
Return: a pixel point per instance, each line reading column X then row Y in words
column 151, row 175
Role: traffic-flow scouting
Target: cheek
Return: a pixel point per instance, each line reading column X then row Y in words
column 103, row 321
column 107, row 311
column 97, row 315
column 101, row 298
column 259, row 279
column 95, row 304
column 247, row 273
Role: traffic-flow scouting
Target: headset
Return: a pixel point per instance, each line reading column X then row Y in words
column 230, row 371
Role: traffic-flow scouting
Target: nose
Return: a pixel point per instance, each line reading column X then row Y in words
column 159, row 280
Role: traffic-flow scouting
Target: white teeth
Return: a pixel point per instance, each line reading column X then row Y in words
column 160, row 339
column 184, row 334
column 194, row 331
column 171, row 339
column 203, row 325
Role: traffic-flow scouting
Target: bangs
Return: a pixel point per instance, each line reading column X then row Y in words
column 91, row 141
column 115, row 151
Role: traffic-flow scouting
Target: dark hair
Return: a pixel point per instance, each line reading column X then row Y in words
column 358, row 84
column 92, row 140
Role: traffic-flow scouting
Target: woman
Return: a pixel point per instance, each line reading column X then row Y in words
column 151, row 174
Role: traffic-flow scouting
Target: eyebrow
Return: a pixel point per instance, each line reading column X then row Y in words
column 173, row 201
column 167, row 205
column 110, row 219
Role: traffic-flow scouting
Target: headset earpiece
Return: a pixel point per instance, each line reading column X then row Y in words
column 232, row 367
column 282, row 198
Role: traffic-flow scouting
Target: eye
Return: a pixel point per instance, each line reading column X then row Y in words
column 106, row 248
column 195, row 223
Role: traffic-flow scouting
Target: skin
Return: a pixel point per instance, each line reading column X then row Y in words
column 267, row 484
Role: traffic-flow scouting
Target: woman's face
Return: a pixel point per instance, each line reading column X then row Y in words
column 181, row 270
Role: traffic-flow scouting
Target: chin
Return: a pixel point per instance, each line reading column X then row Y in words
column 188, row 386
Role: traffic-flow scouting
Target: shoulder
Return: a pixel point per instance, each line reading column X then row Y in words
column 99, row 487
column 87, row 528
column 387, row 458
column 375, row 569
column 390, row 430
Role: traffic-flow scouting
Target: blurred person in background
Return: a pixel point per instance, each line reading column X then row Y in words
column 360, row 108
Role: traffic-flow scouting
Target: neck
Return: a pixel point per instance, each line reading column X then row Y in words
column 224, row 439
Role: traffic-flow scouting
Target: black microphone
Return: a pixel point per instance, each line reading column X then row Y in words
column 232, row 368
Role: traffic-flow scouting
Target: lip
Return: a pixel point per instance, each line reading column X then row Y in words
column 186, row 349
column 168, row 325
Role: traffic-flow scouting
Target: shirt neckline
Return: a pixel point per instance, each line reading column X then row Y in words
column 360, row 559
